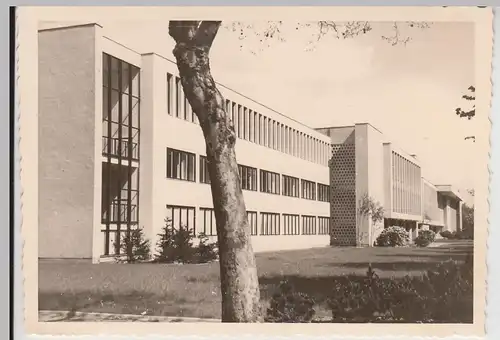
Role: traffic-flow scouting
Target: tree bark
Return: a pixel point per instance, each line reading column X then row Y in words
column 238, row 271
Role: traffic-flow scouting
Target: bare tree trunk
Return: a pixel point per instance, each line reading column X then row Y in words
column 238, row 271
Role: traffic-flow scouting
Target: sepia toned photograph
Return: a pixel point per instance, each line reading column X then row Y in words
column 291, row 170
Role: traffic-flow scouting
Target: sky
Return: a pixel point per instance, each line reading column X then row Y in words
column 408, row 91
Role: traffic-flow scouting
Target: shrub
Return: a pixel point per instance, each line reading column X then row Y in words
column 290, row 306
column 444, row 294
column 393, row 237
column 458, row 235
column 134, row 246
column 446, row 234
column 425, row 237
column 206, row 251
column 175, row 245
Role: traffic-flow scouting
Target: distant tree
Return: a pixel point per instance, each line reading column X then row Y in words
column 469, row 114
column 468, row 219
column 193, row 41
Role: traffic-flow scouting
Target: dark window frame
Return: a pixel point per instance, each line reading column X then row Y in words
column 170, row 169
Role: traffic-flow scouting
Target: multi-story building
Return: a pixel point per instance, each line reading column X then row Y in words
column 120, row 148
column 367, row 169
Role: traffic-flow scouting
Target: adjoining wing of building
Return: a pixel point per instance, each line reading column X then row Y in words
column 120, row 148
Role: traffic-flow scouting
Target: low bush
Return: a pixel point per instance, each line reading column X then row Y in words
column 446, row 234
column 458, row 235
column 206, row 251
column 424, row 238
column 393, row 237
column 443, row 295
column 133, row 247
column 289, row 306
column 176, row 246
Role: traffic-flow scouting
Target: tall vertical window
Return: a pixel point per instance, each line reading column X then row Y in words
column 180, row 165
column 270, row 223
column 269, row 182
column 178, row 97
column 248, row 177
column 251, row 126
column 308, row 190
column 323, row 225
column 240, row 121
column 169, row 93
column 278, row 136
column 182, row 217
column 255, row 128
column 204, row 176
column 290, row 186
column 234, row 116
column 265, row 131
column 323, row 193
column 252, row 221
column 308, row 225
column 270, row 133
column 209, row 226
column 291, row 224
column 261, row 130
column 120, row 143
column 245, row 123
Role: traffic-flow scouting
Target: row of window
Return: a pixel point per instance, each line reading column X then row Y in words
column 270, row 223
column 406, row 185
column 182, row 165
column 253, row 127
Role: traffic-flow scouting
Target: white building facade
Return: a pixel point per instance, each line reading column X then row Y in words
column 120, row 148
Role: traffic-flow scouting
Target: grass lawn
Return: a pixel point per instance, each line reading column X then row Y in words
column 194, row 290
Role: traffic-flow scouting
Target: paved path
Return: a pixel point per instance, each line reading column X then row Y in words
column 54, row 316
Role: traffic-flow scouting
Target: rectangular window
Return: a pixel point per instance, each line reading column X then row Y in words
column 265, row 130
column 308, row 190
column 255, row 128
column 270, row 224
column 291, row 224
column 182, row 217
column 269, row 182
column 180, row 165
column 209, row 227
column 270, row 142
column 178, row 97
column 323, row 225
column 234, row 117
column 169, row 93
column 278, row 137
column 274, row 136
column 252, row 221
column 261, row 130
column 251, row 126
column 323, row 193
column 308, row 225
column 240, row 121
column 248, row 177
column 290, row 186
column 204, row 176
column 245, row 123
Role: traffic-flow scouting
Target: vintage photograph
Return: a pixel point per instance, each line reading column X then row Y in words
column 259, row 171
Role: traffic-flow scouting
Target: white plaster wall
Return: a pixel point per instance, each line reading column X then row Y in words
column 67, row 144
column 376, row 176
column 169, row 131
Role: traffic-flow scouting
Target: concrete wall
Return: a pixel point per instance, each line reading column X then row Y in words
column 67, row 143
column 377, row 177
column 431, row 211
column 167, row 131
column 343, row 186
